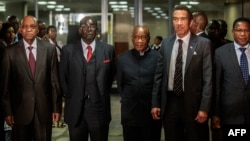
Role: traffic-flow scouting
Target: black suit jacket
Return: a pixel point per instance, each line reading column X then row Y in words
column 197, row 79
column 232, row 102
column 135, row 78
column 22, row 95
column 72, row 78
column 203, row 34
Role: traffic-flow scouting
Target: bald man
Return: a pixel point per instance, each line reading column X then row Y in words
column 31, row 92
column 135, row 77
column 86, row 72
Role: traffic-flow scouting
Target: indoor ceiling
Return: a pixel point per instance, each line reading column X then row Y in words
column 94, row 6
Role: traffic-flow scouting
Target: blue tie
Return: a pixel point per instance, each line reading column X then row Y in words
column 244, row 65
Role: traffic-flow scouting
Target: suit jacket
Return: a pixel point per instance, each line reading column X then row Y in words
column 203, row 34
column 197, row 79
column 72, row 78
column 135, row 78
column 232, row 102
column 22, row 95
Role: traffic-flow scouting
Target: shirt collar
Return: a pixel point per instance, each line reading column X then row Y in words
column 34, row 44
column 185, row 39
column 237, row 46
column 84, row 45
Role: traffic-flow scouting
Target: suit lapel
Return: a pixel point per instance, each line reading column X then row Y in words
column 169, row 49
column 234, row 61
column 78, row 51
column 99, row 53
column 191, row 49
column 23, row 58
column 39, row 57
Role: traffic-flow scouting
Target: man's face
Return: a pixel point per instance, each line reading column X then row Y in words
column 52, row 33
column 88, row 30
column 241, row 33
column 140, row 39
column 29, row 29
column 181, row 22
column 213, row 30
column 15, row 23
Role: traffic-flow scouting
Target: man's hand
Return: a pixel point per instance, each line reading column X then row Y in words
column 156, row 112
column 215, row 122
column 55, row 117
column 201, row 117
column 10, row 120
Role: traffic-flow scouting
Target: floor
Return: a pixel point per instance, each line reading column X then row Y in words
column 115, row 130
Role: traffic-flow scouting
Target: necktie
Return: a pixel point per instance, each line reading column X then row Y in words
column 32, row 62
column 178, row 88
column 89, row 53
column 244, row 65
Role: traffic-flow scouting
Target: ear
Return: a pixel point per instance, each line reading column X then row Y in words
column 80, row 30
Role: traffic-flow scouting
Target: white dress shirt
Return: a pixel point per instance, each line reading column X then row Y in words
column 173, row 60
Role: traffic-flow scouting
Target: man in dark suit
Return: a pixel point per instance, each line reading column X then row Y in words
column 31, row 92
column 198, row 24
column 135, row 84
column 232, row 100
column 183, row 82
column 86, row 76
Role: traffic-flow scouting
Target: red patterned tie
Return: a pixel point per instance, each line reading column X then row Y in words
column 32, row 62
column 89, row 54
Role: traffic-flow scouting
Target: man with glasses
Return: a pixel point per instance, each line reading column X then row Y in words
column 86, row 76
column 30, row 85
column 232, row 90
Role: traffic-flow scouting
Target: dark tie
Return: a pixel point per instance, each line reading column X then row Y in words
column 32, row 62
column 244, row 65
column 89, row 53
column 178, row 88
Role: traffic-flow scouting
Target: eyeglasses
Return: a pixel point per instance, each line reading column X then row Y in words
column 86, row 27
column 29, row 26
column 239, row 31
column 137, row 37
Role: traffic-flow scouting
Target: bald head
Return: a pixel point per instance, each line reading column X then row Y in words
column 199, row 22
column 140, row 37
column 141, row 28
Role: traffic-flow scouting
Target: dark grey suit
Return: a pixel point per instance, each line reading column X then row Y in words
column 73, row 74
column 232, row 102
column 197, row 93
column 25, row 97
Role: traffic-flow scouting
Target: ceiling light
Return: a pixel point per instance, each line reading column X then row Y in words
column 58, row 9
column 113, row 2
column 42, row 2
column 154, row 14
column 60, row 6
column 51, row 6
column 183, row 2
column 52, row 2
column 66, row 9
column 157, row 17
column 157, row 8
column 194, row 2
column 147, row 8
column 123, row 2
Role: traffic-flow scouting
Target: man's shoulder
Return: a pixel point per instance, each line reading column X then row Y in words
column 224, row 48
